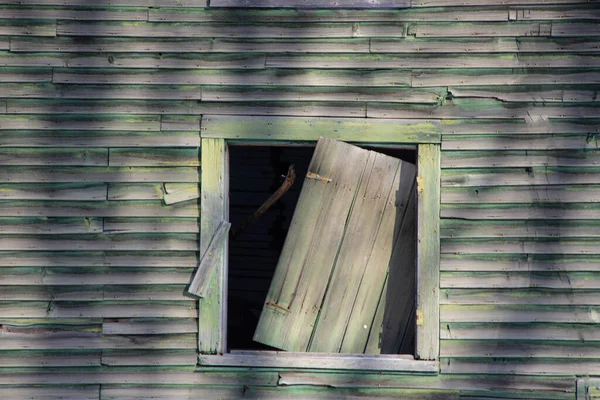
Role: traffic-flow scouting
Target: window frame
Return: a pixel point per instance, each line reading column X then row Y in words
column 219, row 131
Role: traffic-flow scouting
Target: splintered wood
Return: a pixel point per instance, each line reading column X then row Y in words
column 345, row 280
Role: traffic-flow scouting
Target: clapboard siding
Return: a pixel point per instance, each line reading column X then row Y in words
column 101, row 103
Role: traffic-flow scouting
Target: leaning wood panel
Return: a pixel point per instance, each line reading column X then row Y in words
column 212, row 309
column 289, row 129
column 428, row 251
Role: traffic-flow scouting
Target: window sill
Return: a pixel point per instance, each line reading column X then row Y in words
column 276, row 359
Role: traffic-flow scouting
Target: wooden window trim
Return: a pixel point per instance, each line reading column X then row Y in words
column 218, row 131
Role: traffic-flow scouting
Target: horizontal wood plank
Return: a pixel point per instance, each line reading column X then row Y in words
column 518, row 314
column 310, row 3
column 290, row 129
column 516, row 296
column 520, row 176
column 146, row 208
column 507, row 280
column 54, row 191
column 558, row 211
column 120, row 157
column 523, row 366
column 535, row 158
column 100, row 138
column 516, row 262
column 56, row 156
column 50, row 226
column 141, row 326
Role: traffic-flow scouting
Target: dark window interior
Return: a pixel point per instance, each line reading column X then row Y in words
column 255, row 173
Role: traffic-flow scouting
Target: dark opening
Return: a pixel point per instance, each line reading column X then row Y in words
column 255, row 173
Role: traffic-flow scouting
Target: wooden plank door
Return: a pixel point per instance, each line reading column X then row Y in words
column 352, row 232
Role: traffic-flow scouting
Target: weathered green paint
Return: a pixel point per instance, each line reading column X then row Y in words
column 310, row 129
column 428, row 251
column 214, row 209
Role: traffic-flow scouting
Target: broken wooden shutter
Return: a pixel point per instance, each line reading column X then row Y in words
column 346, row 271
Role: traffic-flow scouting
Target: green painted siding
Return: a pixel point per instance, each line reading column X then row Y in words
column 100, row 110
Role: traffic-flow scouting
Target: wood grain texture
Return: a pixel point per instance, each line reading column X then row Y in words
column 311, row 3
column 428, row 250
column 212, row 309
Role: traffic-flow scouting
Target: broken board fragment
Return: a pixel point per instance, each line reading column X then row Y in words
column 332, row 271
column 199, row 284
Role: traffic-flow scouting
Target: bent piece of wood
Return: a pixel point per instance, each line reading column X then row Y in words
column 199, row 284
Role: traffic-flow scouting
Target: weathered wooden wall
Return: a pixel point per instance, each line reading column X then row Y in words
column 100, row 107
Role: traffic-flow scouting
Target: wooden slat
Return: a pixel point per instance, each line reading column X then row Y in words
column 519, row 142
column 83, row 123
column 149, row 225
column 57, row 156
column 129, row 392
column 310, row 3
column 478, row 29
column 516, row 296
column 45, row 359
column 141, row 326
column 96, row 209
column 98, row 174
column 209, row 30
column 515, row 262
column 25, row 74
column 157, row 291
column 269, row 77
column 320, row 361
column 341, row 393
column 488, row 348
column 393, row 95
column 136, row 191
column 558, row 45
column 549, row 280
column 107, row 3
column 288, row 129
column 518, row 229
column 58, row 192
column 348, row 14
column 518, row 313
column 146, row 358
column 98, row 259
column 133, row 242
column 51, row 226
column 516, row 246
column 212, row 309
column 554, row 13
column 523, row 366
column 528, row 94
column 68, row 13
column 88, row 392
column 180, row 122
column 520, row 176
column 558, row 211
column 98, row 139
column 575, row 29
column 465, row 159
column 501, row 77
column 513, row 127
column 22, row 28
column 154, row 157
column 522, row 332
column 18, row 284
column 442, row 3
column 463, row 383
column 428, row 251
column 445, row 45
column 217, row 45
column 209, row 261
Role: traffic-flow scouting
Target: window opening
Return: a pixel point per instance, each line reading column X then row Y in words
column 254, row 173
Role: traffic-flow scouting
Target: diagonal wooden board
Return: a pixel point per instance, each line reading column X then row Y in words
column 336, row 243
